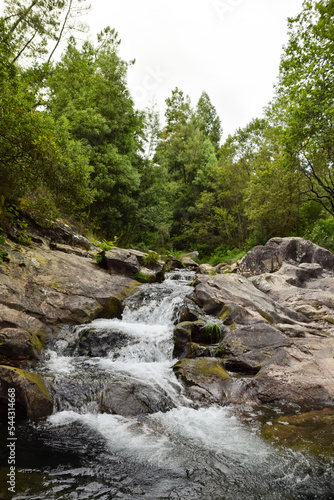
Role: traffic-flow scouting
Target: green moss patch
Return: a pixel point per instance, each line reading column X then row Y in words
column 311, row 432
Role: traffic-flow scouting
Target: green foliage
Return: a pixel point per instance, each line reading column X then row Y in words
column 151, row 259
column 104, row 244
column 144, row 278
column 305, row 99
column 213, row 333
column 208, row 120
column 99, row 257
column 2, row 237
column 3, row 255
column 322, row 233
column 71, row 142
column 223, row 255
column 37, row 26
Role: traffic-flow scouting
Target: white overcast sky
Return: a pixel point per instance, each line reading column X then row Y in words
column 229, row 48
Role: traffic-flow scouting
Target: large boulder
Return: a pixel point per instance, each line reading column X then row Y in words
column 188, row 333
column 134, row 264
column 270, row 257
column 130, row 399
column 43, row 289
column 32, row 398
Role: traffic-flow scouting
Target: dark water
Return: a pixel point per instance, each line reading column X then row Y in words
column 184, row 453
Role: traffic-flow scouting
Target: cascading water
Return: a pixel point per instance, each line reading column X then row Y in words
column 123, row 427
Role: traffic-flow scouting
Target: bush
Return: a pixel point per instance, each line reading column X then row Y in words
column 323, row 233
column 144, row 278
column 222, row 254
column 151, row 259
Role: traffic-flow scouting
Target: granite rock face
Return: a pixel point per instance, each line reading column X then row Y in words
column 279, row 309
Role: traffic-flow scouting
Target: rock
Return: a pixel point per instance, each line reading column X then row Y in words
column 134, row 264
column 189, row 311
column 195, row 350
column 173, row 263
column 120, row 261
column 270, row 257
column 111, row 394
column 189, row 263
column 54, row 288
column 281, row 325
column 130, row 399
column 247, row 347
column 98, row 343
column 200, row 331
column 235, row 299
column 204, row 373
column 69, row 249
column 17, row 346
column 192, row 255
column 32, row 399
column 57, row 233
column 207, row 269
column 301, row 373
column 311, row 432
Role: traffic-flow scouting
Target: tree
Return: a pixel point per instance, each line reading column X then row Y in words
column 38, row 26
column 208, row 120
column 305, row 99
column 152, row 130
column 34, row 152
column 88, row 86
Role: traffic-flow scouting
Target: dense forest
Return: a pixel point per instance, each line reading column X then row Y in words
column 73, row 146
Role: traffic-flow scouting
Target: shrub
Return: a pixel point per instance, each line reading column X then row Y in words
column 151, row 259
column 144, row 278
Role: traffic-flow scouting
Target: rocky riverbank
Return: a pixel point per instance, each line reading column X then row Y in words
column 56, row 281
column 278, row 308
column 271, row 329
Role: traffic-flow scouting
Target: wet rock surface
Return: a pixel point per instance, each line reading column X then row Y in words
column 95, row 342
column 310, row 432
column 204, row 378
column 32, row 398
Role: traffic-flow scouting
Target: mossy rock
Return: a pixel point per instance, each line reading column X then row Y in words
column 311, row 432
column 17, row 346
column 197, row 350
column 193, row 370
column 113, row 306
column 32, row 398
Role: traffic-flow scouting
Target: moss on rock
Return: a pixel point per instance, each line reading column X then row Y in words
column 32, row 398
column 311, row 432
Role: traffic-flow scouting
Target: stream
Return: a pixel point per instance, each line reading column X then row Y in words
column 160, row 445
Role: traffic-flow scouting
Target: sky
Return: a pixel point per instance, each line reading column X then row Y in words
column 230, row 49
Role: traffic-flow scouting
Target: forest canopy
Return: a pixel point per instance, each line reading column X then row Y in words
column 73, row 145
